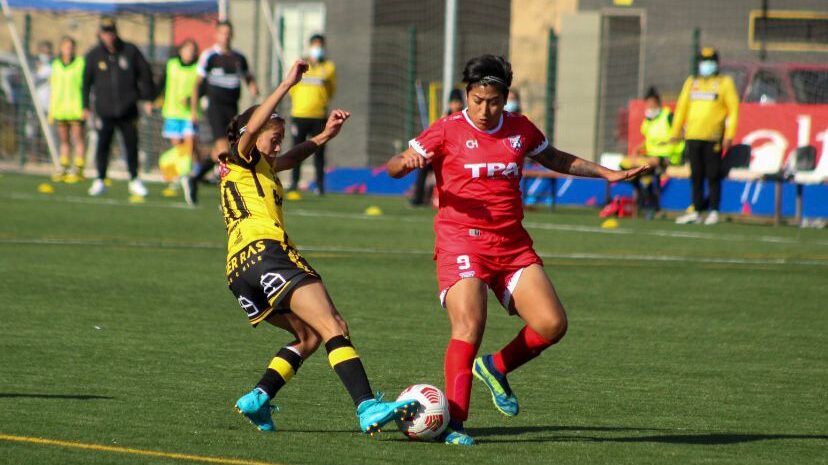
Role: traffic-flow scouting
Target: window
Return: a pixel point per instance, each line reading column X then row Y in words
column 739, row 75
column 300, row 21
column 788, row 30
column 766, row 87
column 810, row 85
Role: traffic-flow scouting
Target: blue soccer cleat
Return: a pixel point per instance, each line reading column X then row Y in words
column 456, row 435
column 255, row 405
column 504, row 399
column 374, row 414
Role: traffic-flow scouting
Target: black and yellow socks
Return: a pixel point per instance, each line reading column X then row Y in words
column 346, row 363
column 281, row 369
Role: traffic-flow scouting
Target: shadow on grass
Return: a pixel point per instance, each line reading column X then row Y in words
column 15, row 395
column 498, row 435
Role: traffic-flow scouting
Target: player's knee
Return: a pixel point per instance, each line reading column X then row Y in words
column 554, row 328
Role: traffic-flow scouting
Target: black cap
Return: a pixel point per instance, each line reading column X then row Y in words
column 108, row 25
column 709, row 53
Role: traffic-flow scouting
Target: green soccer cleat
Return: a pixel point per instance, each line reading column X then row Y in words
column 456, row 435
column 504, row 399
column 255, row 405
column 374, row 414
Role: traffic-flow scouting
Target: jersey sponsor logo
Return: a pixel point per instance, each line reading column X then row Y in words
column 493, row 170
column 471, row 144
column 272, row 283
column 248, row 306
column 246, row 257
column 705, row 96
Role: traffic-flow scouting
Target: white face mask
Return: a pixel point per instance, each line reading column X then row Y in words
column 317, row 53
column 512, row 106
column 651, row 113
column 708, row 68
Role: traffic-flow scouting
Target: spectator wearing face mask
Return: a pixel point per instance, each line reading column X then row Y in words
column 309, row 106
column 707, row 112
column 513, row 102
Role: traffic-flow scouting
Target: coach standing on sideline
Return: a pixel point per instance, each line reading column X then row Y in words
column 120, row 76
column 707, row 110
column 309, row 107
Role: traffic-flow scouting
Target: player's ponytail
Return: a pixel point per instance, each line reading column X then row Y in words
column 234, row 134
column 488, row 70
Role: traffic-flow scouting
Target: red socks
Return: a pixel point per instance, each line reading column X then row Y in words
column 458, row 364
column 524, row 347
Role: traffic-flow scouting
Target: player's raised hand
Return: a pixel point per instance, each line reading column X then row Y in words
column 335, row 121
column 626, row 175
column 296, row 71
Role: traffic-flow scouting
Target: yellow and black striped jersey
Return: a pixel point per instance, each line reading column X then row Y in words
column 251, row 203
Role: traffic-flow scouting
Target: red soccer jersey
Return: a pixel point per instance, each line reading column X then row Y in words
column 478, row 172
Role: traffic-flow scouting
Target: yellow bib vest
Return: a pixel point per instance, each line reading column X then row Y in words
column 657, row 137
column 65, row 100
column 179, row 87
column 310, row 98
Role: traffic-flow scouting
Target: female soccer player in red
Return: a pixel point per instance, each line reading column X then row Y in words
column 477, row 155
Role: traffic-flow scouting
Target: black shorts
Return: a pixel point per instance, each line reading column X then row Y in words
column 219, row 116
column 265, row 272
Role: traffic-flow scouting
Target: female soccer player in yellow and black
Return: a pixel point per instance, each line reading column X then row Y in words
column 66, row 108
column 268, row 275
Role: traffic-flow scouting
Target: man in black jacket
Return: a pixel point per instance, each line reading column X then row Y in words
column 120, row 76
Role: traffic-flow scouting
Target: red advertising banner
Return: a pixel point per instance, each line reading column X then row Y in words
column 771, row 130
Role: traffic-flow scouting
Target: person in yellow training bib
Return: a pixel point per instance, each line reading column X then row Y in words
column 658, row 151
column 707, row 111
column 309, row 106
column 178, row 82
column 269, row 277
column 66, row 108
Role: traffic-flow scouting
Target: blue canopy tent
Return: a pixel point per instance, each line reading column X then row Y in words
column 183, row 7
column 149, row 7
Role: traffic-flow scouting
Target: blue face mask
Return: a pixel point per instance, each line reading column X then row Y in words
column 708, row 68
column 512, row 106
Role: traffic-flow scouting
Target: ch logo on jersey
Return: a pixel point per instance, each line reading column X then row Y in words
column 493, row 170
column 248, row 306
column 471, row 144
column 271, row 283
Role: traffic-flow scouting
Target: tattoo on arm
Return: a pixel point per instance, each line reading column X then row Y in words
column 566, row 163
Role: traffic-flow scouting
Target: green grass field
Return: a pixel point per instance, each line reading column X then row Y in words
column 686, row 345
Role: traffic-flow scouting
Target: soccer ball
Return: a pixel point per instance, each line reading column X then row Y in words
column 432, row 417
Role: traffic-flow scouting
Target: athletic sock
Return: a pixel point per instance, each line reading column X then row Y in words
column 346, row 363
column 281, row 369
column 458, row 365
column 527, row 345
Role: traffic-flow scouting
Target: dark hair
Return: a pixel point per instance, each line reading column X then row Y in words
column 184, row 43
column 488, row 70
column 318, row 37
column 652, row 92
column 68, row 39
column 455, row 95
column 234, row 134
column 224, row 22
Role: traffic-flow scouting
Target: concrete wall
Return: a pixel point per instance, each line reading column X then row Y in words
column 529, row 49
column 579, row 58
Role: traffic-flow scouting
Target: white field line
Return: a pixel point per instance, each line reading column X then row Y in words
column 713, row 236
column 375, row 251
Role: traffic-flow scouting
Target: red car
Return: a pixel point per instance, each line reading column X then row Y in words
column 779, row 82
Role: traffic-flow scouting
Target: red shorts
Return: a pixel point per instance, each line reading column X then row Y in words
column 498, row 259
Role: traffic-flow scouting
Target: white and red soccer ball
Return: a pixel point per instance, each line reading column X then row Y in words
column 432, row 417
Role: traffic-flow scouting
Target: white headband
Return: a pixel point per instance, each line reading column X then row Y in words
column 486, row 80
column 272, row 116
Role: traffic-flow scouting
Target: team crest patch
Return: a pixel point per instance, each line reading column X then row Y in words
column 515, row 142
column 223, row 170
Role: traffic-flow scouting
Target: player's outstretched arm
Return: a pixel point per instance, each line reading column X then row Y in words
column 404, row 163
column 566, row 163
column 262, row 114
column 299, row 152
